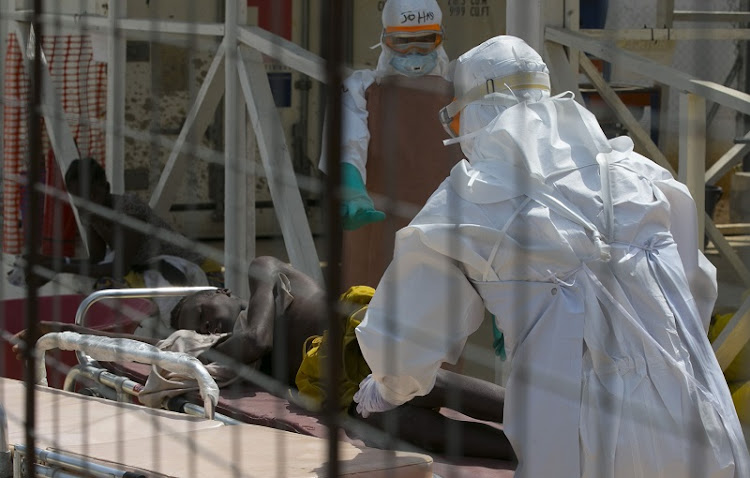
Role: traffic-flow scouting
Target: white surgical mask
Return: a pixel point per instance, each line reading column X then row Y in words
column 414, row 64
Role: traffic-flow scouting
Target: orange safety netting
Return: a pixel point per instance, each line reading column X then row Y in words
column 81, row 84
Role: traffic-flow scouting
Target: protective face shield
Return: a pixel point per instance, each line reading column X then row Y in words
column 489, row 78
column 405, row 41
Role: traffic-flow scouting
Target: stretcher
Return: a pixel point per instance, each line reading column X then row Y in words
column 78, row 435
column 248, row 403
column 253, row 405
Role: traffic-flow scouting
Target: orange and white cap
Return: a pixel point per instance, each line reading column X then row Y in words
column 412, row 16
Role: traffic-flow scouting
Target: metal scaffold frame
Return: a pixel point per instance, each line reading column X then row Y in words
column 237, row 74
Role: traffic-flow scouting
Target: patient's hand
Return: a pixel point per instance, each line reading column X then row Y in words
column 19, row 340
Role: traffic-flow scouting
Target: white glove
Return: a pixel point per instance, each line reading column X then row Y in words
column 369, row 400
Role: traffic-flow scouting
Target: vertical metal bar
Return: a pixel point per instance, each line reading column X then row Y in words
column 333, row 44
column 692, row 156
column 303, row 84
column 242, row 184
column 32, row 228
column 664, row 19
column 236, row 186
column 744, row 82
column 6, row 455
column 115, row 146
column 572, row 21
column 5, row 10
column 524, row 20
column 664, row 13
column 251, row 177
column 234, row 182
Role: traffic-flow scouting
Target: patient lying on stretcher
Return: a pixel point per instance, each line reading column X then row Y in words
column 285, row 308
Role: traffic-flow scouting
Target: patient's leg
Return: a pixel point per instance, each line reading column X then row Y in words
column 471, row 396
column 431, row 431
column 419, row 422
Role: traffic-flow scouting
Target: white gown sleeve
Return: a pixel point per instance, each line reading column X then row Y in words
column 421, row 315
column 355, row 135
column 701, row 274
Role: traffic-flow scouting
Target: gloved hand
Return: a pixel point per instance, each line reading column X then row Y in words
column 369, row 400
column 357, row 208
column 498, row 340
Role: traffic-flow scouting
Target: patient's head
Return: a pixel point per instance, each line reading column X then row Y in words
column 207, row 312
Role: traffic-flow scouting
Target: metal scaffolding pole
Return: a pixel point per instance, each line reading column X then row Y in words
column 115, row 147
column 33, row 228
column 525, row 20
column 235, row 186
column 333, row 16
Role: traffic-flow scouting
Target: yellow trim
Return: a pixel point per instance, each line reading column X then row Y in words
column 531, row 86
column 521, row 80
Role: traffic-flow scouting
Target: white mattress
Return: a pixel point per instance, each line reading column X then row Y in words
column 174, row 444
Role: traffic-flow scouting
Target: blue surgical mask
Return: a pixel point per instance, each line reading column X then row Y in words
column 414, row 64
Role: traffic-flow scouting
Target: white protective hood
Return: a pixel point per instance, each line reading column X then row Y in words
column 496, row 59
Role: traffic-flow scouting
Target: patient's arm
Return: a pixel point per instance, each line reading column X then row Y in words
column 242, row 348
column 252, row 337
column 285, row 308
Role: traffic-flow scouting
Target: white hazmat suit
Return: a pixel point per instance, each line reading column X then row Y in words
column 404, row 14
column 390, row 151
column 586, row 253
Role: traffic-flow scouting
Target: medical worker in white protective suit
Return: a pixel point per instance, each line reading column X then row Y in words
column 586, row 253
column 391, row 146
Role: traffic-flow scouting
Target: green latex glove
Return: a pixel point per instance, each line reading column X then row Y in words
column 498, row 341
column 357, row 208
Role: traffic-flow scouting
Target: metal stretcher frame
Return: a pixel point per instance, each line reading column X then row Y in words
column 141, row 293
column 106, row 348
column 90, row 367
column 120, row 388
column 123, row 389
column 121, row 384
column 92, row 349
